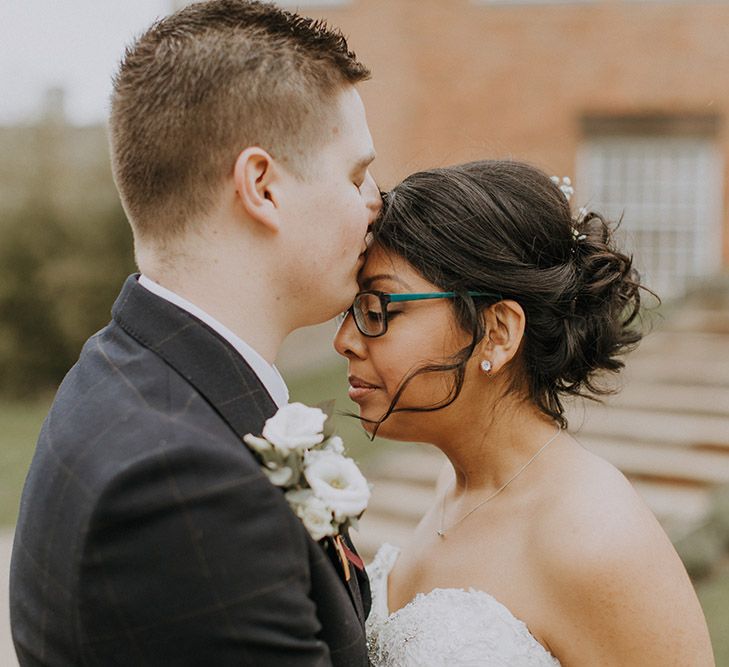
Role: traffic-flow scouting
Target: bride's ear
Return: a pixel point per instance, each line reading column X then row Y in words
column 255, row 178
column 504, row 325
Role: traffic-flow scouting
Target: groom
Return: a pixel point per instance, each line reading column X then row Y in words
column 148, row 534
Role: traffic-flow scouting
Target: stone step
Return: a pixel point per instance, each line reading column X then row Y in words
column 704, row 320
column 416, row 465
column 689, row 344
column 678, row 399
column 672, row 367
column 680, row 465
column 665, row 428
column 374, row 530
column 680, row 509
column 403, row 500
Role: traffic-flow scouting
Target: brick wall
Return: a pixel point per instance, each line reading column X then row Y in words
column 457, row 80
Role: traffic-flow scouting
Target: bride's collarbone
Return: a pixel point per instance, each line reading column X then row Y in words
column 499, row 567
column 495, row 557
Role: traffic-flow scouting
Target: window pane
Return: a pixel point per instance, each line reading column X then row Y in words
column 668, row 188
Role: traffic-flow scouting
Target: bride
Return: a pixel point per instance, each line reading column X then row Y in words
column 484, row 304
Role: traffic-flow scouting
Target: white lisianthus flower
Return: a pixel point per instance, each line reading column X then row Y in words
column 334, row 444
column 279, row 476
column 313, row 512
column 257, row 444
column 295, row 427
column 337, row 481
column 298, row 497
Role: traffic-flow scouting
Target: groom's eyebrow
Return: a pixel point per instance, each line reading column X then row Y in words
column 367, row 282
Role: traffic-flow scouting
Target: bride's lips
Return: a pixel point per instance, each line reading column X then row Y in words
column 359, row 389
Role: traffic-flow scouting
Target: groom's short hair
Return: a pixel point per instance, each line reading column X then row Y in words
column 208, row 81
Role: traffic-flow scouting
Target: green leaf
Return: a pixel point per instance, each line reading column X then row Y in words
column 327, row 407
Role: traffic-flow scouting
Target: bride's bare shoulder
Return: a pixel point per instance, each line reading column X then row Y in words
column 593, row 515
column 591, row 491
column 613, row 574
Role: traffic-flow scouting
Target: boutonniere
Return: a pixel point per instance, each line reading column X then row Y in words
column 300, row 453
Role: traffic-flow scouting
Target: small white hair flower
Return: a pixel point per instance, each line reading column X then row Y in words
column 577, row 235
column 565, row 185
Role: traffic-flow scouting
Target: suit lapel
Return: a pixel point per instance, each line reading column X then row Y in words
column 200, row 355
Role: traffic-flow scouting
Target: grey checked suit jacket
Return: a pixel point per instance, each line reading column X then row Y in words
column 147, row 533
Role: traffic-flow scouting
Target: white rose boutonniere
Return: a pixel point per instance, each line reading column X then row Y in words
column 313, row 511
column 325, row 488
column 337, row 480
column 295, row 427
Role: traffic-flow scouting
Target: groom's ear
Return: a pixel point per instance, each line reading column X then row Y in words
column 254, row 175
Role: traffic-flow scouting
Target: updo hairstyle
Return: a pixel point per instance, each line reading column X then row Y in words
column 506, row 227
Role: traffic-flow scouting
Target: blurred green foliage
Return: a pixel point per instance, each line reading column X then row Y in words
column 714, row 596
column 59, row 276
column 20, row 423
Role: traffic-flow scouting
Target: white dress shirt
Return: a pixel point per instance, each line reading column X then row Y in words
column 267, row 373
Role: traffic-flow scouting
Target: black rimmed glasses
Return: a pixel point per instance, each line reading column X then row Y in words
column 370, row 307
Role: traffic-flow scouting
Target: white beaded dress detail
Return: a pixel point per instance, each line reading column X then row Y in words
column 447, row 627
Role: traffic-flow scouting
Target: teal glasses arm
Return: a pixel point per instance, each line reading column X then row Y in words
column 434, row 295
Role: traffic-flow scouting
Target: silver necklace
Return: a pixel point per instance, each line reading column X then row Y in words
column 442, row 530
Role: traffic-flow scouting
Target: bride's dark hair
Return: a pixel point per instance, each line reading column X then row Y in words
column 506, row 227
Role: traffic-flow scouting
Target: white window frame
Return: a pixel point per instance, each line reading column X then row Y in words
column 300, row 4
column 535, row 2
column 669, row 188
column 285, row 4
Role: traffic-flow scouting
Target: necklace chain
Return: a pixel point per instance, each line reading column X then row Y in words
column 442, row 530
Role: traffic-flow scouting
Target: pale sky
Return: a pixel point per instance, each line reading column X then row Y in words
column 71, row 43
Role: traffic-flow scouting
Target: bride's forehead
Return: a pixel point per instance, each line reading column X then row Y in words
column 388, row 271
column 382, row 261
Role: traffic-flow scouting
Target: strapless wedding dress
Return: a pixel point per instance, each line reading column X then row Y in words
column 447, row 627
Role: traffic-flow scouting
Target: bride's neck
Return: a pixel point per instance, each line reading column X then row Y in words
column 486, row 454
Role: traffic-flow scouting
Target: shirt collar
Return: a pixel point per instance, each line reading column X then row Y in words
column 267, row 373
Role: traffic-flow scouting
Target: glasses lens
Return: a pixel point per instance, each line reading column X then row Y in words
column 368, row 314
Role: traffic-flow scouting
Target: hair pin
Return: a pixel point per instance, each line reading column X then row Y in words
column 565, row 185
column 577, row 236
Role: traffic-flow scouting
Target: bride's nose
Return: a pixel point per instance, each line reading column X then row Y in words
column 349, row 342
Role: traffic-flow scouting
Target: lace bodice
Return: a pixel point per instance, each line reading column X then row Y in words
column 449, row 627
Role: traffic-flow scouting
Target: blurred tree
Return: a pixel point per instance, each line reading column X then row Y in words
column 58, row 279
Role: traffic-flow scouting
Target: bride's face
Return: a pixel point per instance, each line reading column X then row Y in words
column 419, row 333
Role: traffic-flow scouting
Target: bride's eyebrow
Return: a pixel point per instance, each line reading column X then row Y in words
column 367, row 282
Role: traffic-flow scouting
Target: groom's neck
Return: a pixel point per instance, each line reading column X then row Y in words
column 232, row 286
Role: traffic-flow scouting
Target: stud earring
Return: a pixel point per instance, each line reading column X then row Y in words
column 486, row 366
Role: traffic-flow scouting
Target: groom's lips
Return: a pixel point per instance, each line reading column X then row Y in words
column 359, row 389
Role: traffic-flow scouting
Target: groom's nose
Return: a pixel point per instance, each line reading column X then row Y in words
column 373, row 196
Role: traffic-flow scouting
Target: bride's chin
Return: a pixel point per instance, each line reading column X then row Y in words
column 386, row 429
